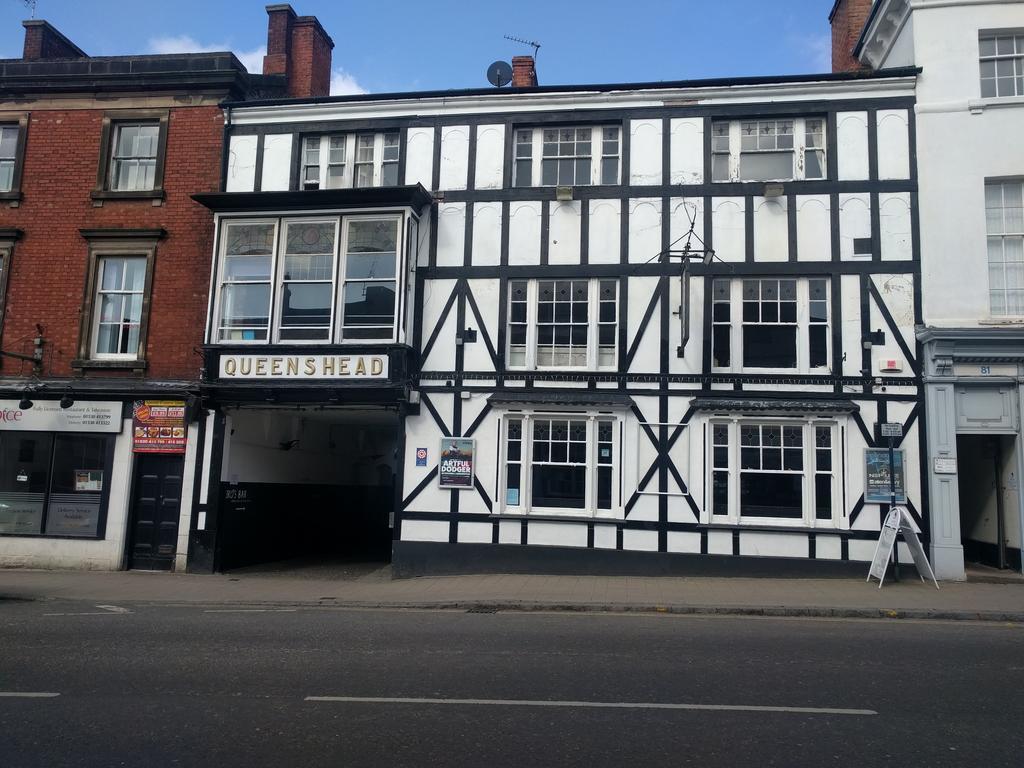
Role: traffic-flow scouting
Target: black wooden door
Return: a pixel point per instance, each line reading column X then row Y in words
column 155, row 509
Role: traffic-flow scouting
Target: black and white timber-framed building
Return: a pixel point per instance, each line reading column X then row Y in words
column 501, row 266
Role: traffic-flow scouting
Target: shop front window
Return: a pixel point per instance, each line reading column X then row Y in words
column 53, row 484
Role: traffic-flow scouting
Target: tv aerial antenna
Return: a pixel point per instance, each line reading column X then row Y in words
column 534, row 43
column 31, row 5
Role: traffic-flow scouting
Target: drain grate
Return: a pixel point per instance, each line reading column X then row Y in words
column 482, row 610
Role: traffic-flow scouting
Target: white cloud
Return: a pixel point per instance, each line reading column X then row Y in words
column 817, row 50
column 253, row 60
column 344, row 84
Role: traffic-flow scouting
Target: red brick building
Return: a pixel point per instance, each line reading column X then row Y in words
column 104, row 272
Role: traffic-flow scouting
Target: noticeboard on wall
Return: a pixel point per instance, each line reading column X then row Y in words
column 455, row 467
column 876, row 476
column 158, row 426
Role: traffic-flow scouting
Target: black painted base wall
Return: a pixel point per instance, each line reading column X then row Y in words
column 984, row 553
column 280, row 521
column 420, row 558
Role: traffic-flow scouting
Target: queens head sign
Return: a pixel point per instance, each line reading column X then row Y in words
column 299, row 367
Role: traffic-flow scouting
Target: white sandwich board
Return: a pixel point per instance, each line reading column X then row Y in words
column 898, row 521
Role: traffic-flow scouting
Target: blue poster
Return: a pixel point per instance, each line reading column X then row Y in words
column 421, row 457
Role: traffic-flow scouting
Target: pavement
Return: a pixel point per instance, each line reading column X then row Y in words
column 371, row 586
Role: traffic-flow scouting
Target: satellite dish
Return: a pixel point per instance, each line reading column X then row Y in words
column 499, row 73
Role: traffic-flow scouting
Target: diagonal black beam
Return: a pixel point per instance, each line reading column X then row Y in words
column 893, row 328
column 425, row 400
column 483, row 326
column 441, row 320
column 419, row 488
column 648, row 313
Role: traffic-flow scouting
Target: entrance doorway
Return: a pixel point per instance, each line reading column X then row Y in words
column 308, row 490
column 989, row 500
column 156, row 507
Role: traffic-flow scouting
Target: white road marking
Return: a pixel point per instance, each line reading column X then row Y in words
column 114, row 608
column 250, row 610
column 85, row 613
column 596, row 705
column 27, row 695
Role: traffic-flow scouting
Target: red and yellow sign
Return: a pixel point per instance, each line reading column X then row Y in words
column 158, row 426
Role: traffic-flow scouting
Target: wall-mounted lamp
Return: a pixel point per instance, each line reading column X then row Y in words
column 66, row 400
column 25, row 403
column 563, row 194
column 774, row 190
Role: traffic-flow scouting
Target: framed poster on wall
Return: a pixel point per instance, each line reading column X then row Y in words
column 455, row 468
column 876, row 476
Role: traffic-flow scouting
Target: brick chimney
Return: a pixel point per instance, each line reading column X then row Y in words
column 43, row 41
column 524, row 72
column 847, row 19
column 300, row 49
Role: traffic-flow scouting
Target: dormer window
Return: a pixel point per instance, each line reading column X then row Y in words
column 336, row 161
column 768, row 150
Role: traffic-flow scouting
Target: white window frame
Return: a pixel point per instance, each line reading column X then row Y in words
column 222, row 247
column 839, row 520
column 350, row 164
column 101, row 261
column 277, row 286
column 12, row 161
column 597, row 154
column 115, row 136
column 593, row 417
column 1016, row 60
column 1002, row 236
column 803, row 324
column 593, row 326
column 336, row 334
column 799, row 150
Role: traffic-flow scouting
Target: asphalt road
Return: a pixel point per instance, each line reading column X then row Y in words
column 187, row 686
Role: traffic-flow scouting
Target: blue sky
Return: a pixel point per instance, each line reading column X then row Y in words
column 398, row 45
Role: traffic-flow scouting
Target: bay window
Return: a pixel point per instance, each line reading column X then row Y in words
column 768, row 150
column 335, row 161
column 562, row 463
column 770, row 324
column 565, row 156
column 308, row 280
column 774, row 472
column 562, row 324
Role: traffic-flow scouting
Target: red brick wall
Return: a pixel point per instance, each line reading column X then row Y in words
column 310, row 68
column 48, row 270
column 524, row 72
column 847, row 24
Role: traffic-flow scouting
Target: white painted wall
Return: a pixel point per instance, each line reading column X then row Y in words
column 490, row 156
column 277, row 162
column 241, row 164
column 961, row 141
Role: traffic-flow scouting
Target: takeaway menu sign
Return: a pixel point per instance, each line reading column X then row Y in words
column 455, row 468
column 158, row 426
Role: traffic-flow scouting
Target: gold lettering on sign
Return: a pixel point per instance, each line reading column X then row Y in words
column 275, row 366
column 328, row 366
column 230, row 366
column 376, row 366
column 361, row 367
column 310, row 366
column 245, row 367
column 343, row 366
column 261, row 366
column 293, row 366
